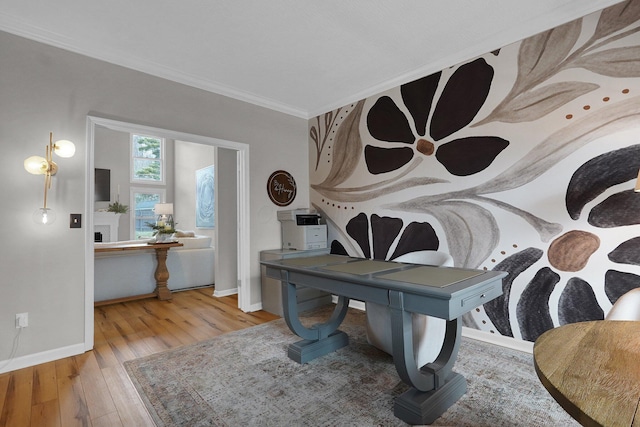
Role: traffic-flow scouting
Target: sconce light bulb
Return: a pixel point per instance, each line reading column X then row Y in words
column 46, row 166
column 44, row 216
column 36, row 165
column 64, row 148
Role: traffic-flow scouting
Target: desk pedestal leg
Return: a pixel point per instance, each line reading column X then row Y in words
column 162, row 275
column 319, row 339
column 420, row 407
column 435, row 387
column 306, row 350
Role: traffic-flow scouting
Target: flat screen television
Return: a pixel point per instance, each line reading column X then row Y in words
column 102, row 185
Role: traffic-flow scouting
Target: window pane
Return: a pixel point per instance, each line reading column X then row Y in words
column 147, row 155
column 144, row 203
column 146, row 146
column 147, row 169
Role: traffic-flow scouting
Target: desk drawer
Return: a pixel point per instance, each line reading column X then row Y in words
column 482, row 296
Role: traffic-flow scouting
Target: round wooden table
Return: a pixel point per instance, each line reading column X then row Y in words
column 592, row 369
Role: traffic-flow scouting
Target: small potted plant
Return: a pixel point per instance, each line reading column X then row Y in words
column 118, row 207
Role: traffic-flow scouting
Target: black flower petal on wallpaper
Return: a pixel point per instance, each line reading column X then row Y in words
column 466, row 156
column 418, row 236
column 616, row 210
column 337, row 248
column 598, row 174
column 418, row 97
column 384, row 230
column 461, row 99
column 498, row 309
column 578, row 303
column 381, row 160
column 387, row 123
column 532, row 310
column 618, row 283
column 627, row 252
column 358, row 229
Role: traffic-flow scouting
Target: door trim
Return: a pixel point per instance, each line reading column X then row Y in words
column 243, row 208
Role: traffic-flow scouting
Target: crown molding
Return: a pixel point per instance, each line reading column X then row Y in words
column 528, row 26
column 11, row 24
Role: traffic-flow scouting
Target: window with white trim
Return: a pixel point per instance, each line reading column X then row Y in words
column 147, row 159
column 142, row 202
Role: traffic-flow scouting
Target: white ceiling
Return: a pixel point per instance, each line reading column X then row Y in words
column 299, row 57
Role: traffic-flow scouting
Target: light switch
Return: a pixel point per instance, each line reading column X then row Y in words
column 75, row 221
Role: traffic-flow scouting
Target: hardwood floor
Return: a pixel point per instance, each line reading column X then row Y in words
column 93, row 389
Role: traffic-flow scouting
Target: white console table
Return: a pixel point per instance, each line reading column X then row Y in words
column 106, row 223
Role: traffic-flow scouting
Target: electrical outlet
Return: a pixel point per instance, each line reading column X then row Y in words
column 22, row 320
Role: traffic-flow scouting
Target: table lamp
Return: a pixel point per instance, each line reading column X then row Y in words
column 164, row 211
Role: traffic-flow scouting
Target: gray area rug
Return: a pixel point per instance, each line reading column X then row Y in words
column 244, row 378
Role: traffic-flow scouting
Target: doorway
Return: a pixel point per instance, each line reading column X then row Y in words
column 239, row 222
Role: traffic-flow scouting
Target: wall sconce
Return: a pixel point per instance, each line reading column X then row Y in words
column 46, row 166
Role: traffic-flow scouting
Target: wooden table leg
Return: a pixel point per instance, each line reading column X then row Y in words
column 162, row 275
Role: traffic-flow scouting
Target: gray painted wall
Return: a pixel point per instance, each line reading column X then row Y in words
column 47, row 89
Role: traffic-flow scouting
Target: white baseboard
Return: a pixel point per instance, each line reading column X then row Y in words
column 225, row 293
column 476, row 334
column 38, row 358
column 501, row 340
column 255, row 307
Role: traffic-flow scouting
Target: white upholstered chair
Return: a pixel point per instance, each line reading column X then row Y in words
column 627, row 307
column 428, row 332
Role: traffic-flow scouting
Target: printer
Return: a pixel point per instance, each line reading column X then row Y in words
column 301, row 230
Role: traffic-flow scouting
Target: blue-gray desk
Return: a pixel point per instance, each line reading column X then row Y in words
column 443, row 292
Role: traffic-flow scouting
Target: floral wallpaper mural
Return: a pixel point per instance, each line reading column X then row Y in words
column 522, row 160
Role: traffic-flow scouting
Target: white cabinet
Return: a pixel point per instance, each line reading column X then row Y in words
column 272, row 289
